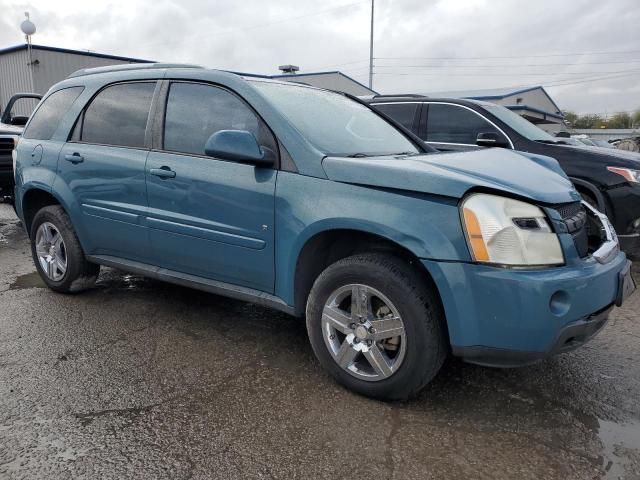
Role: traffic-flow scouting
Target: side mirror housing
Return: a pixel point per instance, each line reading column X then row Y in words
column 491, row 139
column 19, row 120
column 236, row 145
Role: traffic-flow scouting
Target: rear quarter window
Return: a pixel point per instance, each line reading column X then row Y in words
column 48, row 116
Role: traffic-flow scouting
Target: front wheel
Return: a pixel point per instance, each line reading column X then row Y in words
column 377, row 326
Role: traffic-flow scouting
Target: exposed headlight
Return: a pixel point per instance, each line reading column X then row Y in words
column 629, row 174
column 509, row 232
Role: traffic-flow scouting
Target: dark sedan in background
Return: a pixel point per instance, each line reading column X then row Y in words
column 608, row 179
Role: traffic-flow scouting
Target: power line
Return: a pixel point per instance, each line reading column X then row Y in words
column 333, row 65
column 559, row 83
column 588, row 80
column 519, row 74
column 508, row 65
column 510, row 56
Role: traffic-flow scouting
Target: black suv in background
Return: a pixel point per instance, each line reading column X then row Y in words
column 608, row 179
column 12, row 121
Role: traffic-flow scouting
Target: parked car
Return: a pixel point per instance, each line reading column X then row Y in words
column 11, row 125
column 603, row 144
column 607, row 179
column 311, row 202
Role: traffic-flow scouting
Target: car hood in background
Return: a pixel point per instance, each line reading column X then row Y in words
column 6, row 129
column 605, row 153
column 453, row 174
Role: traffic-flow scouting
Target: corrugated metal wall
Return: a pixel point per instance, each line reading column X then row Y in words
column 49, row 68
column 14, row 76
column 53, row 67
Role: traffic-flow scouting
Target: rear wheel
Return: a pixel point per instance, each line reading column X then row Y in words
column 377, row 326
column 57, row 253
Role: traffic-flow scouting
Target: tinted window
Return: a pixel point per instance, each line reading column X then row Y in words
column 195, row 112
column 48, row 116
column 454, row 124
column 118, row 115
column 402, row 113
column 521, row 125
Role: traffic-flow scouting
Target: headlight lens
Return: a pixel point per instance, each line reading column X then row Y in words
column 629, row 174
column 509, row 232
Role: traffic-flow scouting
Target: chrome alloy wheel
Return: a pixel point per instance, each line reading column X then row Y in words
column 51, row 251
column 364, row 332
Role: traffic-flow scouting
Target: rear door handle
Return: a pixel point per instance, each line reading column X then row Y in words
column 163, row 172
column 74, row 158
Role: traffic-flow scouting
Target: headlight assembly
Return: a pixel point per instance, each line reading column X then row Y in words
column 629, row 174
column 508, row 232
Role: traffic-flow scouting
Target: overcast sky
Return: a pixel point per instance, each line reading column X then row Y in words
column 420, row 45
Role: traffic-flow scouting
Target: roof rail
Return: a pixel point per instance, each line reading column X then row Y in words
column 129, row 66
column 400, row 95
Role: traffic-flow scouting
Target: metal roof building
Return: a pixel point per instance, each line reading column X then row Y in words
column 46, row 66
column 533, row 103
column 330, row 80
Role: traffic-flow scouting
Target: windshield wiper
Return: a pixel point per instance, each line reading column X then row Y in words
column 405, row 153
column 551, row 142
column 358, row 155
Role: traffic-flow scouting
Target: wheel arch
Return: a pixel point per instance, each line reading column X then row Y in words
column 589, row 188
column 329, row 245
column 35, row 197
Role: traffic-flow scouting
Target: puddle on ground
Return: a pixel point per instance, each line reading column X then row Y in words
column 616, row 439
column 30, row 280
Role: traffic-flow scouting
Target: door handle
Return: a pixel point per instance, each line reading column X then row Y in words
column 163, row 172
column 74, row 158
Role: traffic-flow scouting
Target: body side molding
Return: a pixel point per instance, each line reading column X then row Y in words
column 193, row 281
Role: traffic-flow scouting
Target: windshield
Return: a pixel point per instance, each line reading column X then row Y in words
column 521, row 125
column 335, row 124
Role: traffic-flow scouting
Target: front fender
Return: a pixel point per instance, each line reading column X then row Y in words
column 427, row 226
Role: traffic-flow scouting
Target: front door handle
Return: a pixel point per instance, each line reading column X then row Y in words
column 163, row 172
column 74, row 158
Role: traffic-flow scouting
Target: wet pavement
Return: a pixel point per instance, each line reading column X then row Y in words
column 140, row 379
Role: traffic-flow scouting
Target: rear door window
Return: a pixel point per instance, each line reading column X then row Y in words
column 196, row 111
column 403, row 113
column 48, row 116
column 118, row 115
column 455, row 124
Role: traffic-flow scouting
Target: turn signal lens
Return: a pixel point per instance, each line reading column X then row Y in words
column 476, row 242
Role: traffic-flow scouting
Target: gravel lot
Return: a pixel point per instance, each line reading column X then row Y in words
column 140, row 379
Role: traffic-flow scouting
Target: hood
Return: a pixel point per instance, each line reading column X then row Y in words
column 453, row 174
column 607, row 154
column 6, row 129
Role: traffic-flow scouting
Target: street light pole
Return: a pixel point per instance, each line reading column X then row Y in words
column 371, row 51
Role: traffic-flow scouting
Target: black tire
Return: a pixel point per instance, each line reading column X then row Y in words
column 80, row 274
column 417, row 302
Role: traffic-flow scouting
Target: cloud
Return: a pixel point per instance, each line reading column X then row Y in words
column 257, row 36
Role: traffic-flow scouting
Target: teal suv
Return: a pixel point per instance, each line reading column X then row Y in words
column 310, row 202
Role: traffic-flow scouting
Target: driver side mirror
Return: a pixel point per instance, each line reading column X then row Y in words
column 19, row 120
column 491, row 139
column 237, row 145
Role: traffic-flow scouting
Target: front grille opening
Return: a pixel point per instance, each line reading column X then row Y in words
column 6, row 145
column 585, row 228
column 596, row 234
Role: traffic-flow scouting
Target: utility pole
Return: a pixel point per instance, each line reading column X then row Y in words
column 371, row 51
